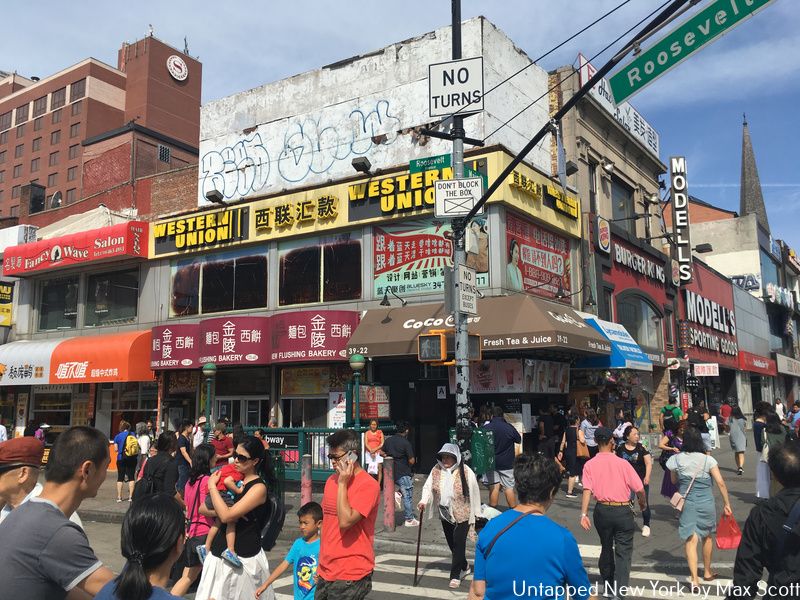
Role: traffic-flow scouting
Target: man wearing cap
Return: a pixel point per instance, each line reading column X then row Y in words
column 50, row 557
column 611, row 480
column 20, row 463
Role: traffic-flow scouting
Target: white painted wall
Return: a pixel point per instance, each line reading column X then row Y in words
column 305, row 130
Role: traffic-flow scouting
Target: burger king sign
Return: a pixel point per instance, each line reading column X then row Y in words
column 603, row 235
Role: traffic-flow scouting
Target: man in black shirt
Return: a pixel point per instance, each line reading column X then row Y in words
column 765, row 542
column 399, row 448
column 548, row 432
column 505, row 438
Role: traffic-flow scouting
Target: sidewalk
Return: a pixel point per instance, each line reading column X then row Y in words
column 662, row 547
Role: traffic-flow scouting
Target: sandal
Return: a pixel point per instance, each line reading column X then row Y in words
column 712, row 578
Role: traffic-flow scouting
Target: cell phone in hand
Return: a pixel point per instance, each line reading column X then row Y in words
column 351, row 457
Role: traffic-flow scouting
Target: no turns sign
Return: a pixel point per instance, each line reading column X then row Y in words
column 456, row 86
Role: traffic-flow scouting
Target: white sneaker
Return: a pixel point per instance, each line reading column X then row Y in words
column 454, row 584
column 412, row 523
column 398, row 500
column 645, row 531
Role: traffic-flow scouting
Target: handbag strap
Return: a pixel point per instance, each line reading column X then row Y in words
column 503, row 530
column 788, row 528
column 189, row 521
column 691, row 483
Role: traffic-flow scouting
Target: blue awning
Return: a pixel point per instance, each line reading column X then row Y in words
column 625, row 352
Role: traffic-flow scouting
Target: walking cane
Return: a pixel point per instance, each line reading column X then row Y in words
column 419, row 537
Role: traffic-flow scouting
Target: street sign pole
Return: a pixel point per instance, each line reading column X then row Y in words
column 459, row 258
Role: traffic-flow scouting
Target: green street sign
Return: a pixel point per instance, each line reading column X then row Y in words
column 707, row 25
column 420, row 165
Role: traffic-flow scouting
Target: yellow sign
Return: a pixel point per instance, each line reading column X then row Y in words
column 200, row 231
column 6, row 303
column 563, row 203
column 285, row 214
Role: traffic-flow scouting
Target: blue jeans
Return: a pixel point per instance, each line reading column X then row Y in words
column 406, row 485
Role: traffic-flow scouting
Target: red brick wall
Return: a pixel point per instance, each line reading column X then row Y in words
column 110, row 169
column 172, row 192
column 698, row 214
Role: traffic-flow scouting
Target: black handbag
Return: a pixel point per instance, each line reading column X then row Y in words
column 273, row 523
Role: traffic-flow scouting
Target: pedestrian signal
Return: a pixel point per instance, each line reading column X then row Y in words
column 431, row 347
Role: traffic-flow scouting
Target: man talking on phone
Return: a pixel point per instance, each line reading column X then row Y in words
column 349, row 510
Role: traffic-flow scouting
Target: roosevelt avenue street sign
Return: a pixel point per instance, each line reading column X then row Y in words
column 704, row 27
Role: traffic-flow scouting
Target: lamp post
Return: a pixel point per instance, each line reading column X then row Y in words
column 357, row 362
column 209, row 370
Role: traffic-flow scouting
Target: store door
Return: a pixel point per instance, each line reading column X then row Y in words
column 246, row 411
column 434, row 418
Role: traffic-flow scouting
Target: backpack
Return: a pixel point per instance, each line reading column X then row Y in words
column 670, row 421
column 131, row 446
column 273, row 523
column 151, row 481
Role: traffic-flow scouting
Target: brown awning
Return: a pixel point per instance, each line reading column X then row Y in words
column 518, row 322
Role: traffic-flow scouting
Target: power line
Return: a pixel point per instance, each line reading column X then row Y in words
column 572, row 74
column 543, row 56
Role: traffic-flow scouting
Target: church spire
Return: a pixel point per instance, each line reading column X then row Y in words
column 751, row 199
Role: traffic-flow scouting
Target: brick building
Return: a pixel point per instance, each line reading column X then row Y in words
column 95, row 134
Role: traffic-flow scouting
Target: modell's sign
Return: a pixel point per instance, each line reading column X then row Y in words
column 710, row 315
column 680, row 218
column 113, row 242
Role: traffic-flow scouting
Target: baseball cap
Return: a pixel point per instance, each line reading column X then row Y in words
column 21, row 451
column 603, row 434
column 202, row 419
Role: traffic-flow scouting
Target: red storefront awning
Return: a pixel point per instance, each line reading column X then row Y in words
column 757, row 364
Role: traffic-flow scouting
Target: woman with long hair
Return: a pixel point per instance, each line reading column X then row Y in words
column 198, row 524
column 220, row 580
column 737, row 424
column 152, row 540
column 588, row 426
column 693, row 470
column 639, row 458
column 452, row 489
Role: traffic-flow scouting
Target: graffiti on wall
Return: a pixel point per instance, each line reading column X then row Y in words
column 299, row 149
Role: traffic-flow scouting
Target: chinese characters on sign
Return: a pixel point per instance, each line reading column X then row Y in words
column 235, row 340
column 411, row 258
column 175, row 346
column 309, row 335
column 285, row 215
column 538, row 260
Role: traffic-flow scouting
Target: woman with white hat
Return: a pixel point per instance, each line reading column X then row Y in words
column 453, row 489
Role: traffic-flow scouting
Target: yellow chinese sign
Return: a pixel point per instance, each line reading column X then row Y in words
column 285, row 214
column 6, row 303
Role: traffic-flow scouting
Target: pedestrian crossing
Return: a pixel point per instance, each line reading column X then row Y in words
column 394, row 574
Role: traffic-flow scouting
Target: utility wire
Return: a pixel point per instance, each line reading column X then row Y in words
column 572, row 74
column 543, row 56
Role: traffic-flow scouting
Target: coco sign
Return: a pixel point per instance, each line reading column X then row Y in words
column 680, row 218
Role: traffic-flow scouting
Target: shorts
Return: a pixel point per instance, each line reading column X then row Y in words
column 505, row 478
column 226, row 496
column 126, row 468
column 343, row 590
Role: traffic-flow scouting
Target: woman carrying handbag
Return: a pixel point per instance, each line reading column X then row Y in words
column 693, row 471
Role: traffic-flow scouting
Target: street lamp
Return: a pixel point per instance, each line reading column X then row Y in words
column 357, row 362
column 209, row 370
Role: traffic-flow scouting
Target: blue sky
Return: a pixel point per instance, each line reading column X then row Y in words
column 697, row 108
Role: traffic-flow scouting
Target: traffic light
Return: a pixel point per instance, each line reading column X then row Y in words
column 431, row 347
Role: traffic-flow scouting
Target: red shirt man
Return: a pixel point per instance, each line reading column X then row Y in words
column 223, row 445
column 725, row 411
column 349, row 510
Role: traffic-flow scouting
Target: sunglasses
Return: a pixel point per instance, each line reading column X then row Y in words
column 241, row 457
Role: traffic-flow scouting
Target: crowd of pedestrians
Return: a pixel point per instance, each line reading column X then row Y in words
column 207, row 504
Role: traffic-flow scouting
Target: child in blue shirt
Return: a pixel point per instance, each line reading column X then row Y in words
column 303, row 555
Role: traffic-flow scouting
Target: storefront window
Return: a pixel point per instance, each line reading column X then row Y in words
column 53, row 405
column 642, row 322
column 323, row 270
column 112, row 298
column 58, row 304
column 219, row 282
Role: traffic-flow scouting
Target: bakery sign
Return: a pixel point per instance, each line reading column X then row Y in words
column 96, row 245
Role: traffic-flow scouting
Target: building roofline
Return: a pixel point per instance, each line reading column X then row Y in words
column 697, row 200
column 47, row 79
column 133, row 127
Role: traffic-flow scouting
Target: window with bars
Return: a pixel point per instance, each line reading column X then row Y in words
column 58, row 98
column 164, row 153
column 38, row 124
column 19, row 150
column 2, row 157
column 52, row 179
column 20, row 130
column 76, row 108
column 56, row 116
column 40, row 106
column 72, row 173
column 73, row 151
column 34, row 165
column 5, row 121
column 15, row 191
column 71, row 195
column 53, row 159
column 74, row 130
column 36, row 145
column 17, row 171
column 4, row 137
column 55, row 137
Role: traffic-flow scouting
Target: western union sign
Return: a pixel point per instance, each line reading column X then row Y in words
column 201, row 231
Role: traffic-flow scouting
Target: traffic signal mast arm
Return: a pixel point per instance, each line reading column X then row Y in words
column 649, row 29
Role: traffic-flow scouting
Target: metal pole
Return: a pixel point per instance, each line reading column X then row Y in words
column 460, row 258
column 209, row 384
column 388, row 493
column 357, row 399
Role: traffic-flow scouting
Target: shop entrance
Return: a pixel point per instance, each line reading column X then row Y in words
column 433, row 419
column 237, row 409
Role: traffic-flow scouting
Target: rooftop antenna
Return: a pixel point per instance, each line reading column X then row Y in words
column 150, row 30
column 185, row 46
